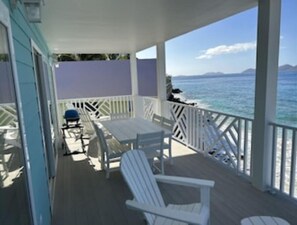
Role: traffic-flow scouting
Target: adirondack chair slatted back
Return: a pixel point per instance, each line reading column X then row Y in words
column 140, row 179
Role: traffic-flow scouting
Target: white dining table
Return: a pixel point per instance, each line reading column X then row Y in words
column 126, row 130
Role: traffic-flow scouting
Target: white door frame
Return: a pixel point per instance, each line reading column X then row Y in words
column 45, row 124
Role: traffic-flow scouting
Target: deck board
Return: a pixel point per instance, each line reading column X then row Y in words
column 84, row 196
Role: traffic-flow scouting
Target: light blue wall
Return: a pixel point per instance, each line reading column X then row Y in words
column 22, row 33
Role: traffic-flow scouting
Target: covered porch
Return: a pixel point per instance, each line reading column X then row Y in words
column 255, row 148
column 253, row 160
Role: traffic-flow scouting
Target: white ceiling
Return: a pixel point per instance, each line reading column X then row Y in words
column 123, row 26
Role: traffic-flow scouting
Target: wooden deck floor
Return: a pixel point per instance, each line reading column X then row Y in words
column 84, row 196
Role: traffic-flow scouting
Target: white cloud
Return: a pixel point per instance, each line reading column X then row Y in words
column 227, row 49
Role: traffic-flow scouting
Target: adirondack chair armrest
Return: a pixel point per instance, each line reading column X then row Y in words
column 185, row 181
column 187, row 217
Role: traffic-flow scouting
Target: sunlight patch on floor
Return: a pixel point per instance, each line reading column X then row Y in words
column 74, row 149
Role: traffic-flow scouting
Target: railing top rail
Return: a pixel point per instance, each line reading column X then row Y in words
column 212, row 111
column 7, row 104
column 283, row 126
column 150, row 97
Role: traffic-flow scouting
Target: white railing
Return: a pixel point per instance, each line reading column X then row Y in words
column 99, row 107
column 284, row 169
column 150, row 106
column 223, row 137
column 8, row 114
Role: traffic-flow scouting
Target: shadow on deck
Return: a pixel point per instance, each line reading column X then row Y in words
column 84, row 196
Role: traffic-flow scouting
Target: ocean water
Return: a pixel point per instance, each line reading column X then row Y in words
column 234, row 94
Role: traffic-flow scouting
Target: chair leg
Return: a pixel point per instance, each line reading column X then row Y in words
column 101, row 160
column 170, row 153
column 151, row 163
column 162, row 165
column 162, row 161
column 107, row 174
column 107, row 169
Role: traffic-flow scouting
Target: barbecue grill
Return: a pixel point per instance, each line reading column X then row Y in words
column 71, row 116
column 72, row 124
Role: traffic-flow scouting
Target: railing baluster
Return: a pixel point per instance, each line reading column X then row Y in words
column 200, row 131
column 274, row 153
column 283, row 159
column 293, row 165
column 245, row 146
column 239, row 142
column 188, row 125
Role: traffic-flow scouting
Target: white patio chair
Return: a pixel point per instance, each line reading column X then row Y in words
column 168, row 124
column 86, row 122
column 152, row 145
column 109, row 152
column 157, row 119
column 148, row 199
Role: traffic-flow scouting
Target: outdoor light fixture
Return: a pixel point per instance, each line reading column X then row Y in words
column 33, row 10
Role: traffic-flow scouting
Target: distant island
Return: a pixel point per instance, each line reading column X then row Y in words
column 283, row 68
column 174, row 93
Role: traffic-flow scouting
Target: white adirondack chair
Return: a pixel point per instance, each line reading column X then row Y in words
column 152, row 145
column 148, row 199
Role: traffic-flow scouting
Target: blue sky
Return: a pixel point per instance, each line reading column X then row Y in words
column 227, row 46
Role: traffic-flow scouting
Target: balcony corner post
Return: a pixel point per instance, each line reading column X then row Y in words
column 265, row 91
column 138, row 112
column 161, row 78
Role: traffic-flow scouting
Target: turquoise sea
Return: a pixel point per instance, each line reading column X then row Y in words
column 234, row 94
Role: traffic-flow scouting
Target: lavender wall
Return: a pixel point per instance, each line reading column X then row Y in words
column 86, row 79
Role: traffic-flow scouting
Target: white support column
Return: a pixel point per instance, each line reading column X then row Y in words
column 161, row 78
column 265, row 90
column 134, row 75
column 138, row 107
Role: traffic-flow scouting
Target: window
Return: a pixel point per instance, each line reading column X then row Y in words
column 14, row 203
